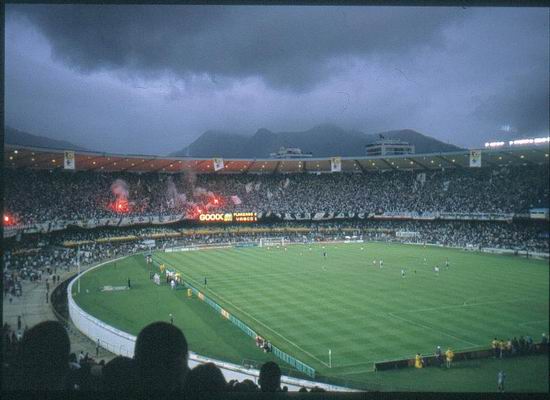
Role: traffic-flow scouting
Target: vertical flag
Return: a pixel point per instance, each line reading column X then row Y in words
column 68, row 158
column 475, row 158
column 218, row 164
column 335, row 164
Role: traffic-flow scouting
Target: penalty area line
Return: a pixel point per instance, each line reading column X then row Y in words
column 432, row 329
column 466, row 304
column 533, row 322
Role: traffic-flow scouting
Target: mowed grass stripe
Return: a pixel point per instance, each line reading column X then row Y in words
column 397, row 300
column 346, row 303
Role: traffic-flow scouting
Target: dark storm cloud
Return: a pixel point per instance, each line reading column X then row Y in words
column 288, row 47
column 522, row 104
column 152, row 79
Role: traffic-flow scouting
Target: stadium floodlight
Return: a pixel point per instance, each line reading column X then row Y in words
column 519, row 142
column 540, row 140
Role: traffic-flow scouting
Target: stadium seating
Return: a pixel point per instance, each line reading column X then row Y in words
column 46, row 196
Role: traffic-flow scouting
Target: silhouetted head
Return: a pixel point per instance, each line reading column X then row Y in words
column 248, row 386
column 120, row 375
column 205, row 378
column 161, row 357
column 270, row 377
column 43, row 361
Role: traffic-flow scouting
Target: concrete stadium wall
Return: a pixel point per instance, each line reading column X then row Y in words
column 122, row 343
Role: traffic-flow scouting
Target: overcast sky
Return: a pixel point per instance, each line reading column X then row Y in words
column 151, row 79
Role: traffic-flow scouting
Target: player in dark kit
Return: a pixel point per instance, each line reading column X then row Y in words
column 325, row 254
column 205, row 281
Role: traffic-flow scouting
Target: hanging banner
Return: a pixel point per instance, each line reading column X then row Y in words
column 475, row 158
column 68, row 160
column 218, row 164
column 336, row 164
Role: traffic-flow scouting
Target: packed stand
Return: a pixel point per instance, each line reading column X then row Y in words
column 55, row 196
column 38, row 254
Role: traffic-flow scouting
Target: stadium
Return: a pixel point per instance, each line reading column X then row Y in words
column 351, row 273
column 283, row 200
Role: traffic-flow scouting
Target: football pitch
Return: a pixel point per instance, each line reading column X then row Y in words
column 307, row 303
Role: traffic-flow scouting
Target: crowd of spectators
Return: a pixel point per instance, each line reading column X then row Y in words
column 517, row 347
column 45, row 263
column 52, row 196
column 37, row 254
column 44, row 196
column 41, row 360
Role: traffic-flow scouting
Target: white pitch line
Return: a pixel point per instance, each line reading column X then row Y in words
column 355, row 372
column 433, row 329
column 517, row 300
column 271, row 329
column 533, row 322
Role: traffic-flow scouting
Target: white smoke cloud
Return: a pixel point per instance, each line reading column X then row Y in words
column 120, row 189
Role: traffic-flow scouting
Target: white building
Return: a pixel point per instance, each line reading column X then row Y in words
column 389, row 147
column 290, row 152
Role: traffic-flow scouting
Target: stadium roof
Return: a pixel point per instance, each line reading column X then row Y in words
column 42, row 158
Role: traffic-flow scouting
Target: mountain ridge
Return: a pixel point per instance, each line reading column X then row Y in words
column 323, row 140
column 16, row 137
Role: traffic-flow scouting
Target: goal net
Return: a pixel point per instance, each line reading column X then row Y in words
column 272, row 242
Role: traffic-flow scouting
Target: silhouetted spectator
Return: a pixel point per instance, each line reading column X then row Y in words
column 161, row 358
column 438, row 356
column 529, row 346
column 246, row 386
column 270, row 377
column 73, row 364
column 204, row 378
column 515, row 346
column 522, row 345
column 43, row 361
column 120, row 375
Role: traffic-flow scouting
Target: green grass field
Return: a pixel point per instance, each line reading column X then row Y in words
column 307, row 304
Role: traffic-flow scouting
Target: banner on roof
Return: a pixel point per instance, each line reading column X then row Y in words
column 218, row 164
column 475, row 158
column 68, row 159
column 336, row 164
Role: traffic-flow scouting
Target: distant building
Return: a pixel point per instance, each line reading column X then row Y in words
column 389, row 147
column 290, row 152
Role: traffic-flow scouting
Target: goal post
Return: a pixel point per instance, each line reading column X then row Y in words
column 272, row 242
